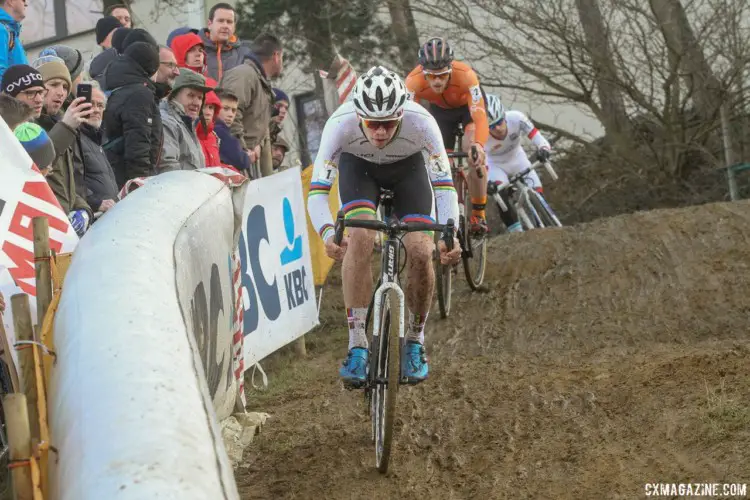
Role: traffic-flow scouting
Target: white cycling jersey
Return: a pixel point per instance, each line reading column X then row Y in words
column 507, row 157
column 418, row 133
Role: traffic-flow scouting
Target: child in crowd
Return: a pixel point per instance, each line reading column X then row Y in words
column 230, row 147
column 37, row 144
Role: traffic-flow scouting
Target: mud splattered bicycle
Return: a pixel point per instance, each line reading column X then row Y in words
column 473, row 246
column 385, row 321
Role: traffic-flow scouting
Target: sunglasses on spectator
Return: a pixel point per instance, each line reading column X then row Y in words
column 440, row 75
column 32, row 93
column 388, row 125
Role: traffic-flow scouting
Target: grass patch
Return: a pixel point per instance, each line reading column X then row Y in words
column 723, row 415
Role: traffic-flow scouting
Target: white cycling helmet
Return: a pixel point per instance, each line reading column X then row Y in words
column 379, row 94
column 495, row 109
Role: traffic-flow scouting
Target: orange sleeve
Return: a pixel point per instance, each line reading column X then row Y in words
column 475, row 101
column 413, row 83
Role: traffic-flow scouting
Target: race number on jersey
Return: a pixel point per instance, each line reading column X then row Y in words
column 476, row 93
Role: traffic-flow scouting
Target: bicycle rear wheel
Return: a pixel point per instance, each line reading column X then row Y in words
column 474, row 254
column 549, row 219
column 443, row 283
column 385, row 365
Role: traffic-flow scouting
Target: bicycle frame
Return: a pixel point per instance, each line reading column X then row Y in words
column 517, row 185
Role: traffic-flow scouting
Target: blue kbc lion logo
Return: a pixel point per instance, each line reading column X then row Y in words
column 293, row 250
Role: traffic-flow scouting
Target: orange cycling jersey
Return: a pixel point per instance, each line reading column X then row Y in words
column 463, row 90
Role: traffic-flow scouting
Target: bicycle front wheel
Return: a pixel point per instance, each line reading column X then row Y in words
column 443, row 283
column 386, row 365
column 474, row 247
column 543, row 210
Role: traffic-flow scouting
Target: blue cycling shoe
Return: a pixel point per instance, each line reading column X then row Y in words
column 354, row 368
column 414, row 367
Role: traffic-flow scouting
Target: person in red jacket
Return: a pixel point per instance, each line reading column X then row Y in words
column 205, row 130
column 189, row 51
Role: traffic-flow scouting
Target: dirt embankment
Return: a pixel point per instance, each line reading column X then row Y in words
column 604, row 357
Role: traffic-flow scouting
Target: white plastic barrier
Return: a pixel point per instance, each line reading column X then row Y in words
column 131, row 411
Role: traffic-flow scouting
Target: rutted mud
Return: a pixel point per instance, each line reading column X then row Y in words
column 603, row 357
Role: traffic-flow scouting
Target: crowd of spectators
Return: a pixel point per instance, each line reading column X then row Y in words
column 203, row 98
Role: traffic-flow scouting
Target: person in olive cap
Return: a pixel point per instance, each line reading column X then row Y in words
column 180, row 113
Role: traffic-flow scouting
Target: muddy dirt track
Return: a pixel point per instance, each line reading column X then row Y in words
column 603, row 357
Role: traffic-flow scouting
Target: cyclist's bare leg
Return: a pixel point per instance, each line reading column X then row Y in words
column 356, row 275
column 477, row 186
column 420, row 282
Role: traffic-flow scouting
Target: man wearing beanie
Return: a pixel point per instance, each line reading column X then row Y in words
column 98, row 66
column 11, row 49
column 104, row 29
column 37, row 144
column 131, row 120
column 72, row 58
column 25, row 84
column 63, row 130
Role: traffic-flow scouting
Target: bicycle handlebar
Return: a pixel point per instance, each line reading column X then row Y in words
column 394, row 226
column 520, row 176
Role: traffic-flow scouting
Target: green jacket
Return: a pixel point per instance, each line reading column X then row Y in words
column 62, row 178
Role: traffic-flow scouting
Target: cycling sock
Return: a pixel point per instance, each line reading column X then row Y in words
column 357, row 316
column 478, row 205
column 515, row 228
column 416, row 327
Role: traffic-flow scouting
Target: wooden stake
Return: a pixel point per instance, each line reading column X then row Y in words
column 19, row 441
column 42, row 265
column 7, row 357
column 300, row 347
column 25, row 332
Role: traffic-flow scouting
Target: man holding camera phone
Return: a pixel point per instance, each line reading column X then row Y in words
column 62, row 127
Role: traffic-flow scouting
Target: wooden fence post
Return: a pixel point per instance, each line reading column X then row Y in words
column 42, row 267
column 19, row 441
column 25, row 333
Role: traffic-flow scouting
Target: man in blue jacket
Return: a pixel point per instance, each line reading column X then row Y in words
column 12, row 12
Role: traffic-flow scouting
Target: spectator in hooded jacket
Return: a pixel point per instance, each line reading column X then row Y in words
column 224, row 50
column 131, row 120
column 91, row 160
column 12, row 12
column 189, row 52
column 180, row 113
column 63, row 130
column 205, row 129
column 231, row 151
column 279, row 149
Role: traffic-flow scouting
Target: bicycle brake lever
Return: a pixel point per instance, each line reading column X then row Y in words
column 475, row 157
column 339, row 227
column 448, row 235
